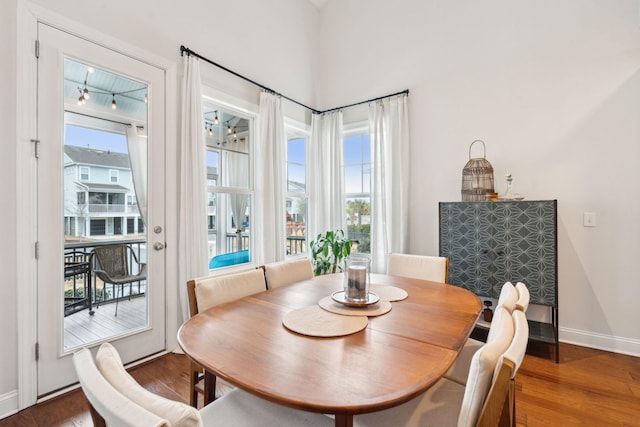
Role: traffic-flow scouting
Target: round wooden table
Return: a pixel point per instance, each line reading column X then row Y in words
column 395, row 358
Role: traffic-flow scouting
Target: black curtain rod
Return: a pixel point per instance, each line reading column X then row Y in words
column 402, row 92
column 188, row 51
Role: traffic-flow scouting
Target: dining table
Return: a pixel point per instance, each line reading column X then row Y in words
column 396, row 357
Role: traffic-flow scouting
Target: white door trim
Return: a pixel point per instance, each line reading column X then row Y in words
column 26, row 106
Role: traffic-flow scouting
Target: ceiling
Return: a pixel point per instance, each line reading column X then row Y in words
column 104, row 87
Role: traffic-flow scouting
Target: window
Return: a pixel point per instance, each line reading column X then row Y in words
column 84, row 173
column 357, row 183
column 229, row 185
column 113, row 176
column 82, row 197
column 296, row 195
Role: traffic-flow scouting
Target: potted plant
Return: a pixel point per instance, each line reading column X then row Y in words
column 328, row 252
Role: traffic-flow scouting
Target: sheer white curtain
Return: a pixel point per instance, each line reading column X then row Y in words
column 270, row 161
column 137, row 146
column 237, row 175
column 327, row 206
column 192, row 239
column 389, row 129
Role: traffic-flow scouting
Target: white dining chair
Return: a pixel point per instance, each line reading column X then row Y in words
column 435, row 269
column 284, row 273
column 488, row 399
column 523, row 297
column 501, row 325
column 118, row 399
column 210, row 291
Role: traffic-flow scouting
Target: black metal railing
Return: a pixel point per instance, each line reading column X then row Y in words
column 83, row 290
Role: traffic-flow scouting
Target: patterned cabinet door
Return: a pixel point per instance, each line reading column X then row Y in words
column 465, row 233
column 517, row 243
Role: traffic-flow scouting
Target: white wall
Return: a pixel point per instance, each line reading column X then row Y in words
column 8, row 196
column 272, row 42
column 552, row 87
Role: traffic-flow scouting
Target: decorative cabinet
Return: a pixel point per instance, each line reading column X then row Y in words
column 490, row 243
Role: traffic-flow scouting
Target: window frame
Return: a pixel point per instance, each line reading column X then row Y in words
column 219, row 189
column 351, row 130
column 294, row 130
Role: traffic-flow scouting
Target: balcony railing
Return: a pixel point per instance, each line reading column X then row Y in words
column 82, row 288
column 110, row 208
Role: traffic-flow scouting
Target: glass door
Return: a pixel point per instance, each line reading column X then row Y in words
column 100, row 187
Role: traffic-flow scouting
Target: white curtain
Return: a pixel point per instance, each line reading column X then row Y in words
column 270, row 161
column 327, row 206
column 192, row 239
column 137, row 146
column 389, row 132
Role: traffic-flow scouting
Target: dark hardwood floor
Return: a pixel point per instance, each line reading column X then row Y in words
column 587, row 388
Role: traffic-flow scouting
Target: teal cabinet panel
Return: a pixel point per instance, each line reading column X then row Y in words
column 490, row 243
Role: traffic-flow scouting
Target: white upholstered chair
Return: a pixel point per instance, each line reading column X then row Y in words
column 523, row 297
column 435, row 269
column 116, row 399
column 486, row 400
column 286, row 272
column 210, row 291
column 459, row 370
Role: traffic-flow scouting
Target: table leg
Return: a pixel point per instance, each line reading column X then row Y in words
column 209, row 387
column 344, row 420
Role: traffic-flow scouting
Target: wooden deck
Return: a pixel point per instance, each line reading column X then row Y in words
column 81, row 328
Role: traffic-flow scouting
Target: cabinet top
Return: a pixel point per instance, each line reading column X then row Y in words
column 504, row 201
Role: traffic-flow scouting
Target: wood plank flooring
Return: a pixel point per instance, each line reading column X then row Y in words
column 81, row 329
column 587, row 388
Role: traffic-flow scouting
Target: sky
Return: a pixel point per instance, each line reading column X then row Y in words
column 96, row 139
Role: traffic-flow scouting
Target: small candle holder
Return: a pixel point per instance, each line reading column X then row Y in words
column 357, row 278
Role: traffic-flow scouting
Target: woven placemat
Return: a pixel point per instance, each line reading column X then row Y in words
column 389, row 293
column 316, row 322
column 377, row 309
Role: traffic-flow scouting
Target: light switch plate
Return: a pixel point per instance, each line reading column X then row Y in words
column 589, row 219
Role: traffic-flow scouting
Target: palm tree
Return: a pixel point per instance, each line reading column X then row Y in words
column 359, row 207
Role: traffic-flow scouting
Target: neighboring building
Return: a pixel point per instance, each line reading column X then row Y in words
column 99, row 197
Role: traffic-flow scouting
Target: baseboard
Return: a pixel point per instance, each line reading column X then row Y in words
column 611, row 343
column 8, row 404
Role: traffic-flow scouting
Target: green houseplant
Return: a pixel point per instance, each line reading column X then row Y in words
column 328, row 252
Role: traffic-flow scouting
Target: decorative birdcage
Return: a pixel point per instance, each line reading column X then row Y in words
column 477, row 177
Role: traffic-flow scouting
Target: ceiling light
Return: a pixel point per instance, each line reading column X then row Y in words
column 113, row 103
column 146, row 100
column 85, row 92
column 228, row 129
column 211, row 131
column 215, row 119
column 235, row 135
column 90, row 70
column 80, row 100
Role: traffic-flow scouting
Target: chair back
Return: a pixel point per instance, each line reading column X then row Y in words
column 176, row 413
column 286, row 272
column 435, row 269
column 481, row 370
column 523, row 297
column 508, row 297
column 113, row 259
column 500, row 405
column 209, row 291
column 107, row 405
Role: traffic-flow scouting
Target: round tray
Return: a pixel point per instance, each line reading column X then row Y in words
column 340, row 296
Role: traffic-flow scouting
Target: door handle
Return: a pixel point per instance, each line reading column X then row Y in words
column 158, row 246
